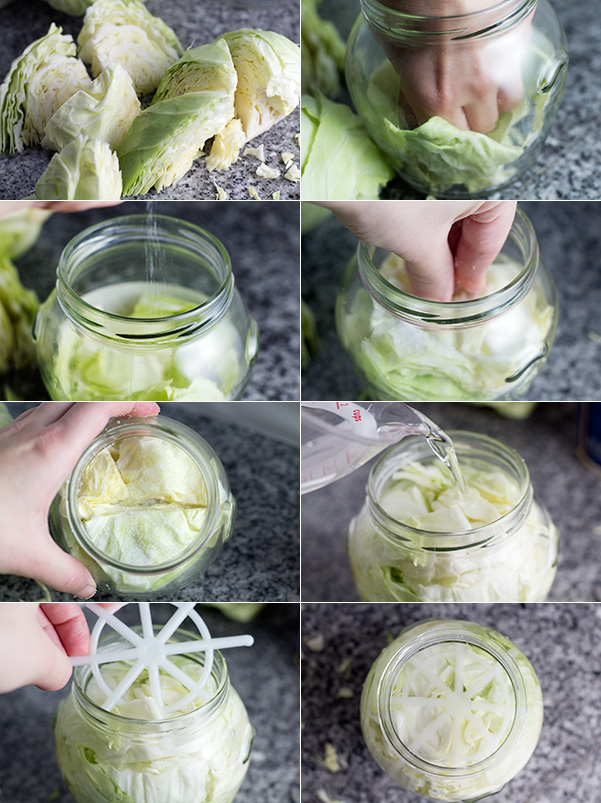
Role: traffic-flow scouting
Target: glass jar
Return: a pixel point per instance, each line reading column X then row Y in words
column 145, row 313
column 461, row 105
column 447, row 741
column 406, row 348
column 511, row 559
column 129, row 579
column 198, row 757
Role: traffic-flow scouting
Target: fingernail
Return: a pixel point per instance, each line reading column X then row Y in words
column 86, row 592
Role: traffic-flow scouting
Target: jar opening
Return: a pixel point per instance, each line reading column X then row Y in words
column 180, row 436
column 521, row 247
column 124, row 280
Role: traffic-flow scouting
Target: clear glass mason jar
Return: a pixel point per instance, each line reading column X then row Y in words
column 461, row 105
column 406, row 348
column 512, row 559
column 198, row 757
column 128, row 580
column 113, row 329
column 469, row 741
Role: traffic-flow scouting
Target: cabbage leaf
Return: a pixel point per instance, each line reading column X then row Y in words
column 20, row 230
column 322, row 51
column 18, row 307
column 74, row 7
column 86, row 169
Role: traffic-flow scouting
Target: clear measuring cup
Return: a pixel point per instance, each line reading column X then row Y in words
column 339, row 437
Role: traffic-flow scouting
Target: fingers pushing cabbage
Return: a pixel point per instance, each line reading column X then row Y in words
column 86, row 169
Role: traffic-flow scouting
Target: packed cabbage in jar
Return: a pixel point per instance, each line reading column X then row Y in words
column 206, row 367
column 203, row 764
column 516, row 565
column 453, row 705
column 404, row 360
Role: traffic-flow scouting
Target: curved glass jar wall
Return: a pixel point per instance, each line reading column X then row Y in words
column 200, row 756
column 442, row 741
column 461, row 105
column 406, row 348
column 145, row 313
column 116, row 572
column 511, row 559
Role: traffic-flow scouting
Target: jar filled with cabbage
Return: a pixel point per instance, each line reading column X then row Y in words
column 424, row 536
column 196, row 751
column 146, row 509
column 451, row 710
column 460, row 100
column 472, row 348
column 145, row 308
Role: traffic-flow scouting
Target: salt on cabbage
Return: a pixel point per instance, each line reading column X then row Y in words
column 39, row 81
column 86, row 169
column 103, row 111
column 125, row 31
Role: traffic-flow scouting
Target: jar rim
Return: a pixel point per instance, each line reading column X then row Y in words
column 454, row 313
column 417, row 448
column 180, row 435
column 144, row 330
column 441, row 631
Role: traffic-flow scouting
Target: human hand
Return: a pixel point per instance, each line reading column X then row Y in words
column 467, row 82
column 10, row 207
column 38, row 450
column 445, row 244
column 36, row 640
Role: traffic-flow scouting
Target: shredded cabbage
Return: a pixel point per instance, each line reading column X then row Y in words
column 86, row 169
column 517, row 565
column 198, row 763
column 39, row 81
column 452, row 705
column 402, row 360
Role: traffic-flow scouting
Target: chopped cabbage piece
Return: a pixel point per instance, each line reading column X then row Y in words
column 453, row 705
column 252, row 191
column 18, row 307
column 103, row 111
column 221, row 193
column 39, row 81
column 263, row 171
column 226, row 146
column 293, row 174
column 424, row 497
column 86, row 169
column 268, row 67
column 74, row 7
column 257, row 153
column 276, row 195
column 323, row 51
column 20, row 230
column 402, row 360
column 125, row 31
column 184, row 765
column 338, row 159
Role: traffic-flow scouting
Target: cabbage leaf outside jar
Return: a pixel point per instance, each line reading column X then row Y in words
column 146, row 509
column 417, row 538
column 462, row 104
column 472, row 348
column 451, row 710
column 198, row 754
column 145, row 312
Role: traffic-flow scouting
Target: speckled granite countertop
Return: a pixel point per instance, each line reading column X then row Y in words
column 562, row 643
column 546, row 441
column 263, row 244
column 195, row 22
column 265, row 677
column 568, row 166
column 569, row 235
column 261, row 560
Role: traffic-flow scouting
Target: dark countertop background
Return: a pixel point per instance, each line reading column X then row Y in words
column 562, row 643
column 261, row 560
column 195, row 22
column 263, row 243
column 569, row 235
column 265, row 677
column 569, row 166
column 546, row 441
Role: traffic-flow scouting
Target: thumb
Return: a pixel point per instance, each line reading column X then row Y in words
column 431, row 272
column 55, row 568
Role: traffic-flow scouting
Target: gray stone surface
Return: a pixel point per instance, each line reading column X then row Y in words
column 568, row 165
column 262, row 241
column 569, row 236
column 561, row 641
column 265, row 677
column 547, row 443
column 261, row 560
column 195, row 22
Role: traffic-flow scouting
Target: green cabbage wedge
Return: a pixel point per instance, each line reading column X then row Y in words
column 86, row 169
column 39, row 81
column 125, row 31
